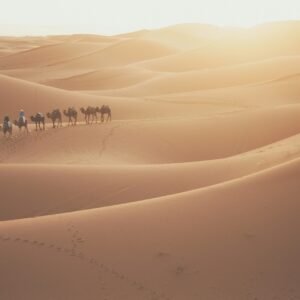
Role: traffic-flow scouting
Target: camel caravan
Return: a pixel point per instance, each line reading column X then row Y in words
column 90, row 116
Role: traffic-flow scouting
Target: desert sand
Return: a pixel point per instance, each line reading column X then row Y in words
column 191, row 192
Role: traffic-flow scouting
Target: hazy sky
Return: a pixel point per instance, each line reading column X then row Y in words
column 115, row 16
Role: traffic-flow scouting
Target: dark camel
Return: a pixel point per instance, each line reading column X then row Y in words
column 55, row 115
column 39, row 120
column 104, row 110
column 71, row 113
column 90, row 112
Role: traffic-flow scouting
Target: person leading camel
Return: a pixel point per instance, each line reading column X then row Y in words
column 7, row 126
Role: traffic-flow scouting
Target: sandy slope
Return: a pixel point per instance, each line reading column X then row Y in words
column 181, row 250
column 152, row 141
column 133, row 50
column 214, row 78
column 49, row 54
column 191, row 192
column 106, row 78
column 16, row 94
column 124, row 183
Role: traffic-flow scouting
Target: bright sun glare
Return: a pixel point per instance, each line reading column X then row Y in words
column 116, row 16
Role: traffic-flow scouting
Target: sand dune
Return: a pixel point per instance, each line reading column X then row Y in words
column 133, row 50
column 277, row 92
column 213, row 78
column 252, row 231
column 49, row 54
column 160, row 83
column 185, row 36
column 32, row 97
column 116, row 143
column 18, row 44
column 106, row 78
column 191, row 192
column 125, row 183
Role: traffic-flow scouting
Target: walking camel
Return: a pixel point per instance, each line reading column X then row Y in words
column 71, row 113
column 39, row 120
column 104, row 110
column 89, row 113
column 55, row 116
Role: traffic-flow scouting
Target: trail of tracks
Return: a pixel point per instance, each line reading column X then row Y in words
column 102, row 271
column 11, row 145
column 105, row 140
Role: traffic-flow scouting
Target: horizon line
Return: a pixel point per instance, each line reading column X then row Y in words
column 70, row 32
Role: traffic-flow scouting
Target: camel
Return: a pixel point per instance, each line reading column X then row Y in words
column 71, row 113
column 90, row 112
column 104, row 110
column 7, row 126
column 38, row 119
column 55, row 115
column 22, row 122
